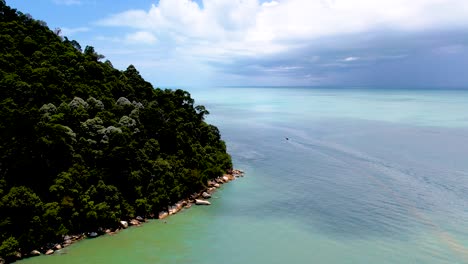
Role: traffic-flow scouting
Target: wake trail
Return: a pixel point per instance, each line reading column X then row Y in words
column 330, row 149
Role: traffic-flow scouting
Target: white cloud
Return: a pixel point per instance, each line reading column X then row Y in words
column 249, row 27
column 67, row 2
column 269, row 4
column 349, row 59
column 141, row 37
column 451, row 49
column 283, row 69
column 71, row 31
column 224, row 30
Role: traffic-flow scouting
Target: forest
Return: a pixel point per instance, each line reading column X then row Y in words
column 84, row 145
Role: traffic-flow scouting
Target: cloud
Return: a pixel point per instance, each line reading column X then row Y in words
column 451, row 49
column 270, row 4
column 315, row 36
column 141, row 37
column 349, row 59
column 249, row 27
column 71, row 31
column 67, row 2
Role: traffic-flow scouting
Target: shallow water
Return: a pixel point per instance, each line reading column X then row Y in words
column 367, row 176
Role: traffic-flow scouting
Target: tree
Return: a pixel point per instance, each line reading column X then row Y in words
column 85, row 145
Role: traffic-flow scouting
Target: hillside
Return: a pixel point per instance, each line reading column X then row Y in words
column 83, row 144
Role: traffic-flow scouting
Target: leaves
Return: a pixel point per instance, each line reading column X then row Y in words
column 84, row 144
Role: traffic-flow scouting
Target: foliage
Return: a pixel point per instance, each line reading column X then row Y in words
column 84, row 144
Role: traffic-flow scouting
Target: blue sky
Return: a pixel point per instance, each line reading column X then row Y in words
column 385, row 43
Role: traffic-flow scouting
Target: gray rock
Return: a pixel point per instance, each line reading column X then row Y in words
column 124, row 224
column 201, row 202
column 35, row 253
column 163, row 215
column 206, row 195
column 134, row 222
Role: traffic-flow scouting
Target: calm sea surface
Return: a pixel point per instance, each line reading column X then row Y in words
column 367, row 176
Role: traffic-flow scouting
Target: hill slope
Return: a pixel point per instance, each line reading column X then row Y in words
column 84, row 144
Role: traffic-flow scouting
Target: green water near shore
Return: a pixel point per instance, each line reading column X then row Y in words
column 366, row 177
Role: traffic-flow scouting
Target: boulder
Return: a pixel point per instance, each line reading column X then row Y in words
column 35, row 253
column 206, row 195
column 216, row 185
column 173, row 210
column 225, row 178
column 124, row 224
column 49, row 252
column 2, row 261
column 202, row 202
column 58, row 247
column 134, row 222
column 211, row 183
column 68, row 242
column 18, row 255
column 163, row 215
column 139, row 218
column 93, row 234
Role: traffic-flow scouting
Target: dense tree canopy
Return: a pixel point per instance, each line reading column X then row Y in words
column 83, row 144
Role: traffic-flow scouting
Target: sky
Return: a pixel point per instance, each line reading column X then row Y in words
column 339, row 43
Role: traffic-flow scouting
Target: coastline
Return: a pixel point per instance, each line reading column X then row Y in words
column 198, row 198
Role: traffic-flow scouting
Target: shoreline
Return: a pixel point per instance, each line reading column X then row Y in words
column 198, row 198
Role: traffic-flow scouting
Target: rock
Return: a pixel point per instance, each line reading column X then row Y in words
column 124, row 224
column 211, row 183
column 163, row 215
column 216, row 185
column 58, row 247
column 18, row 255
column 92, row 234
column 201, row 202
column 225, row 178
column 68, row 242
column 134, row 222
column 108, row 231
column 50, row 252
column 67, row 237
column 206, row 195
column 173, row 210
column 139, row 218
column 35, row 253
column 2, row 261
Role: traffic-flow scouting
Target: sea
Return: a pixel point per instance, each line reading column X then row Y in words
column 348, row 175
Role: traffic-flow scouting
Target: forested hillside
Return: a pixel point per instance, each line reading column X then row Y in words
column 83, row 144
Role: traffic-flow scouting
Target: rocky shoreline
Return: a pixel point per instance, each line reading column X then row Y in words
column 198, row 198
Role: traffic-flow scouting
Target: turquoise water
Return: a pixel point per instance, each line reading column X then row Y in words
column 367, row 176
